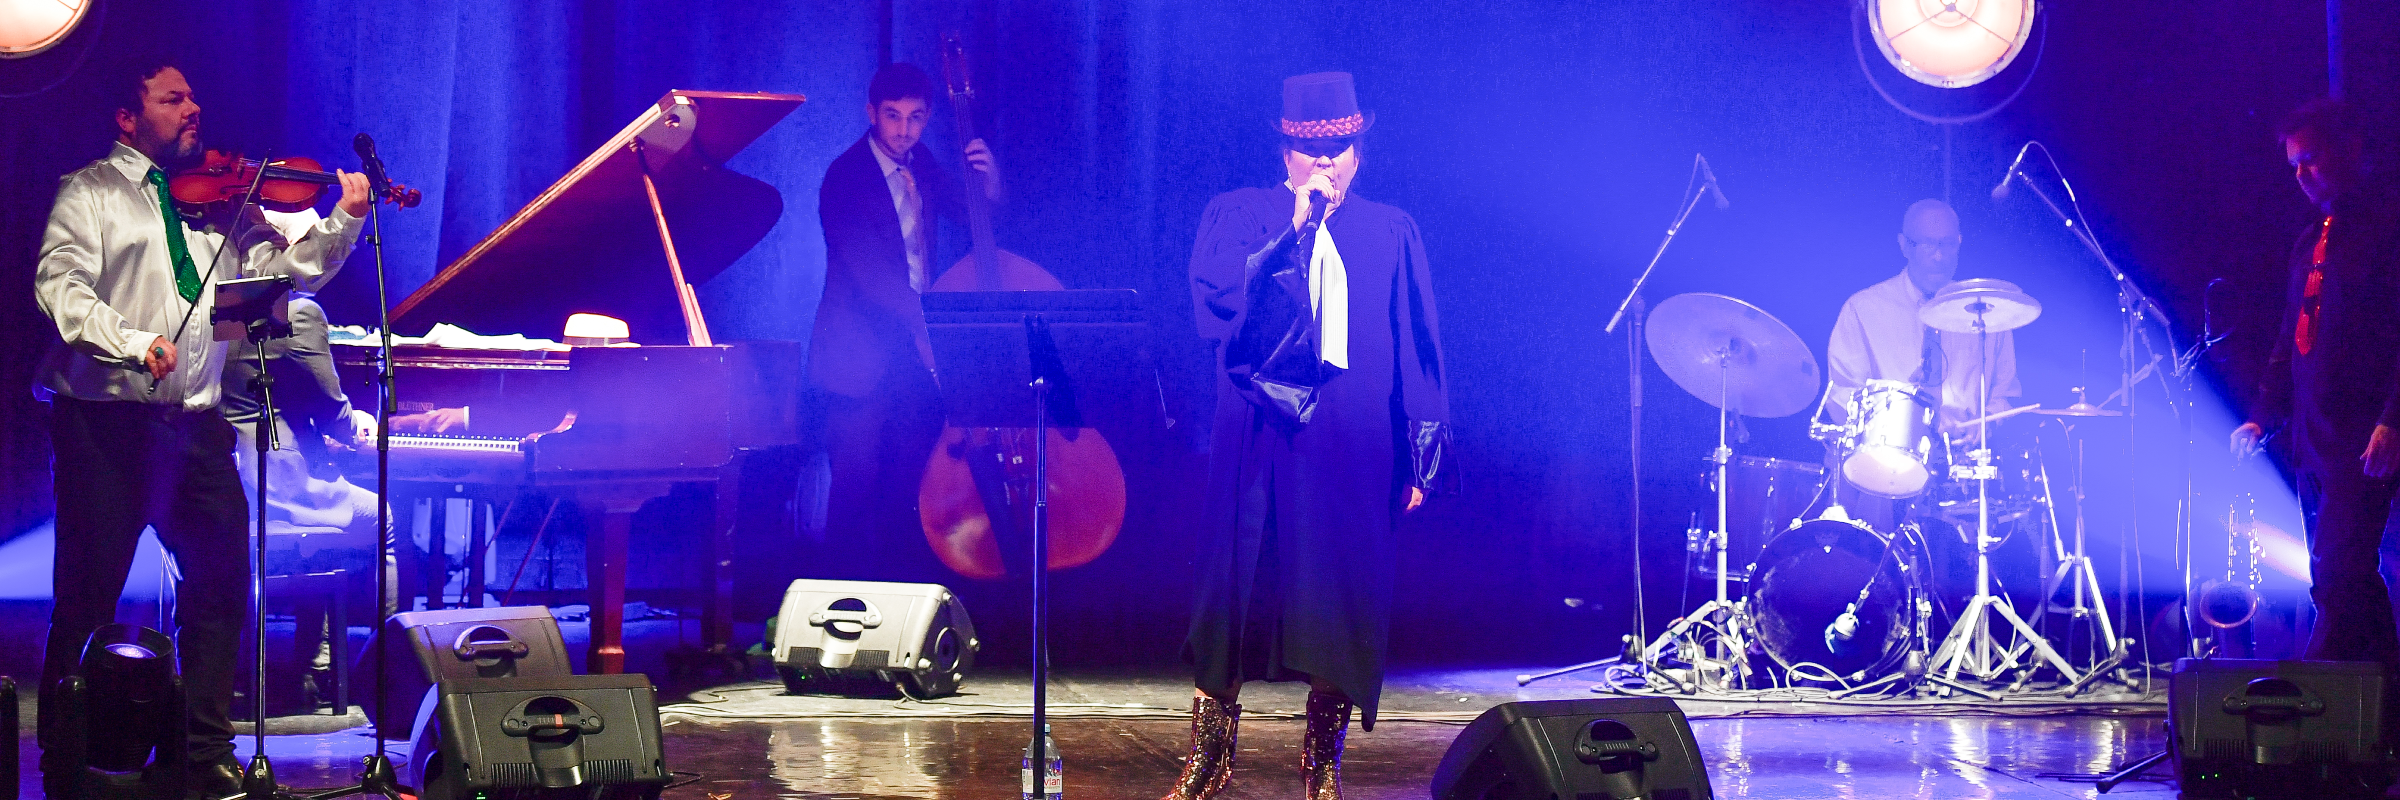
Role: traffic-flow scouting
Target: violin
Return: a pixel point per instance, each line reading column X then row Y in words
column 972, row 465
column 222, row 181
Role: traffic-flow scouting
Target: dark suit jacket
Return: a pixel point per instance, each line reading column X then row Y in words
column 869, row 321
column 2332, row 398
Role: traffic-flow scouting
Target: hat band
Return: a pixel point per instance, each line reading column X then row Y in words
column 1325, row 128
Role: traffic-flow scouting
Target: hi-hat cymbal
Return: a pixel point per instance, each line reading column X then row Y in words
column 1733, row 355
column 1994, row 305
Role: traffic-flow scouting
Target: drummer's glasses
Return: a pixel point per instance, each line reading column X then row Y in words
column 1945, row 243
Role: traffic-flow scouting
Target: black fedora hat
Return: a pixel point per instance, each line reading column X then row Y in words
column 1322, row 105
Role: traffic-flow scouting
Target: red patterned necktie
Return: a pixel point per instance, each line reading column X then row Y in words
column 2304, row 335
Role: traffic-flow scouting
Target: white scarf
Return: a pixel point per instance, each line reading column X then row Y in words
column 1329, row 298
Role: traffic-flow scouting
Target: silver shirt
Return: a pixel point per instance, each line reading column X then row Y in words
column 106, row 279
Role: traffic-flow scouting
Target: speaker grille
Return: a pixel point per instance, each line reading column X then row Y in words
column 604, row 772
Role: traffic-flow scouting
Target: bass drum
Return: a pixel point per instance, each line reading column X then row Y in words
column 1809, row 576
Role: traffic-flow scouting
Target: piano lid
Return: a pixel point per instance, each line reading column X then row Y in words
column 589, row 244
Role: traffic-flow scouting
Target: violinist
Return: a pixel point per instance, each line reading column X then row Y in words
column 133, row 390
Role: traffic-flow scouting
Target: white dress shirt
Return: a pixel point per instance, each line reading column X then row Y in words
column 106, row 280
column 909, row 203
column 1878, row 337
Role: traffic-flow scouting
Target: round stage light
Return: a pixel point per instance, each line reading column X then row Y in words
column 32, row 26
column 1950, row 43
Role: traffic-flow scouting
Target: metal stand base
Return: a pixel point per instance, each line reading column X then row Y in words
column 1971, row 647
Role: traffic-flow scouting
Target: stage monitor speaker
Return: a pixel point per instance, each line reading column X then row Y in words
column 588, row 737
column 1600, row 749
column 854, row 637
column 421, row 648
column 2255, row 728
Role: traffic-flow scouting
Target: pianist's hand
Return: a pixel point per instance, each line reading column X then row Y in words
column 361, row 429
column 440, row 420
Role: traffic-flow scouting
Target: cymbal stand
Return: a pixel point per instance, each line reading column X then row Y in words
column 1971, row 646
column 2075, row 568
column 1721, row 662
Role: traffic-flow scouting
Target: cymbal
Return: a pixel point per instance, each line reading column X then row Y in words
column 1720, row 348
column 1998, row 305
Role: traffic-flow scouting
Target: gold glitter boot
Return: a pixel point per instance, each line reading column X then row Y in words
column 1210, row 767
column 1321, row 746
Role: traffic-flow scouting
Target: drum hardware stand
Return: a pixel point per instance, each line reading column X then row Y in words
column 1971, row 645
column 1731, row 646
column 2075, row 566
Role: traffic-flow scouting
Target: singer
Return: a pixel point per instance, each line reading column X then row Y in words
column 133, row 393
column 1330, row 424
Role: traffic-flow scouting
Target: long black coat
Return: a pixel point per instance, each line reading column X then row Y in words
column 1295, row 572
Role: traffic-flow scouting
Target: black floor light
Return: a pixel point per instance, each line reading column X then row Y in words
column 120, row 728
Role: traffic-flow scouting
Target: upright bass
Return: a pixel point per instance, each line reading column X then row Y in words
column 973, row 469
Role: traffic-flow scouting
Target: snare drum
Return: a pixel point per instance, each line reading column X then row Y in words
column 1890, row 437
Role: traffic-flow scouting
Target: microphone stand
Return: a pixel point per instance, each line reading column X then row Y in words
column 1638, row 310
column 2133, row 306
column 376, row 776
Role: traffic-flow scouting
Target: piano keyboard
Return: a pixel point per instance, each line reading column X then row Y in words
column 460, row 459
column 453, row 444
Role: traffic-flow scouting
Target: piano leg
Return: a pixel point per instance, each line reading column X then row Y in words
column 608, row 516
column 481, row 529
column 716, row 615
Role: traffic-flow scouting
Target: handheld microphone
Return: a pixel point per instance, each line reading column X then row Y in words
column 369, row 163
column 1708, row 182
column 1316, row 208
column 2000, row 192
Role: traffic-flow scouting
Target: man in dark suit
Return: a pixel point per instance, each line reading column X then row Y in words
column 2334, row 385
column 870, row 379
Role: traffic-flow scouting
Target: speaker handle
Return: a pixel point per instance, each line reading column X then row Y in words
column 470, row 648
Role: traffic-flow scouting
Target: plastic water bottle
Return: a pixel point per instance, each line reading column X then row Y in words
column 1053, row 770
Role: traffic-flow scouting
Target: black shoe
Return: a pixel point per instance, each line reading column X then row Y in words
column 214, row 780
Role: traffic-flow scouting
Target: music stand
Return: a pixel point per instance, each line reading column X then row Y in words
column 1001, row 357
column 251, row 309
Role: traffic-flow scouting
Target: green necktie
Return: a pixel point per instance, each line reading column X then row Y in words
column 187, row 277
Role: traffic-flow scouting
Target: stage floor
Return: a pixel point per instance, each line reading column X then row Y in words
column 1122, row 735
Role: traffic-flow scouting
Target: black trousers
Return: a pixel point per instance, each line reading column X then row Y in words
column 876, row 448
column 2351, row 563
column 119, row 468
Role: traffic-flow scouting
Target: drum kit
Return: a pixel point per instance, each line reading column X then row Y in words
column 1856, row 599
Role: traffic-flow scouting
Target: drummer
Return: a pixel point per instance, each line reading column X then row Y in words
column 1879, row 336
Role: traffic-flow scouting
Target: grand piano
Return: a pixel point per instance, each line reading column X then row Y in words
column 627, row 233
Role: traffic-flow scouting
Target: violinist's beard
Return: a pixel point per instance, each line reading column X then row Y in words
column 181, row 155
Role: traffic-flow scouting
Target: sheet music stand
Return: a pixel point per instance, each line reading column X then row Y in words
column 1002, row 357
